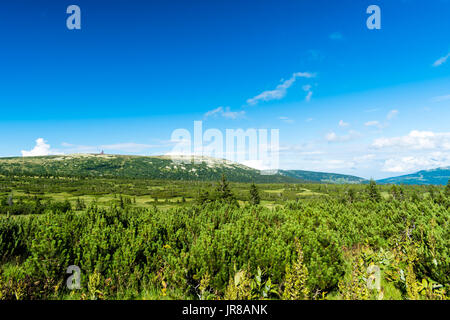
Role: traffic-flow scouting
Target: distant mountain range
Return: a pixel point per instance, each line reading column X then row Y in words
column 203, row 169
column 433, row 176
column 322, row 177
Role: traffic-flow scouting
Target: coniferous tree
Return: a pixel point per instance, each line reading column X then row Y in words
column 401, row 193
column 80, row 205
column 223, row 191
column 203, row 197
column 373, row 192
column 121, row 202
column 255, row 199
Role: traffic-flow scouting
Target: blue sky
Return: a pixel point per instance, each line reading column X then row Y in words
column 373, row 103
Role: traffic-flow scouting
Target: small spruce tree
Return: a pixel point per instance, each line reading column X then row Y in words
column 373, row 192
column 121, row 202
column 203, row 197
column 223, row 191
column 255, row 199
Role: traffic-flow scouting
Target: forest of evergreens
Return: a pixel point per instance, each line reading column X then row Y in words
column 150, row 239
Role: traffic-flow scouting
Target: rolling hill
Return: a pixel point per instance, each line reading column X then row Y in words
column 144, row 167
column 156, row 167
column 439, row 176
column 323, row 177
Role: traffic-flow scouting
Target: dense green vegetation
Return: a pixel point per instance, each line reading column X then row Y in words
column 151, row 239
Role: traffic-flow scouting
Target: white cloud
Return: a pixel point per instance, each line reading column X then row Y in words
column 418, row 150
column 333, row 137
column 373, row 124
column 441, row 60
column 286, row 119
column 214, row 112
column 416, row 163
column 40, row 149
column 308, row 96
column 364, row 158
column 342, row 123
column 280, row 91
column 392, row 114
column 416, row 140
column 232, row 114
column 402, row 164
column 311, row 153
column 226, row 113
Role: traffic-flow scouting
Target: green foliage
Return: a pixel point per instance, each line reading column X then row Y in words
column 255, row 199
column 351, row 195
column 217, row 250
column 295, row 283
column 353, row 287
column 223, row 191
column 447, row 189
column 244, row 287
column 372, row 191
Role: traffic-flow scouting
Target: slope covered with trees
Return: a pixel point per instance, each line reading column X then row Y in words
column 136, row 167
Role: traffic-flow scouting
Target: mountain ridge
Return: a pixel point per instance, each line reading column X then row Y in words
column 436, row 176
column 168, row 167
column 156, row 167
column 131, row 166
